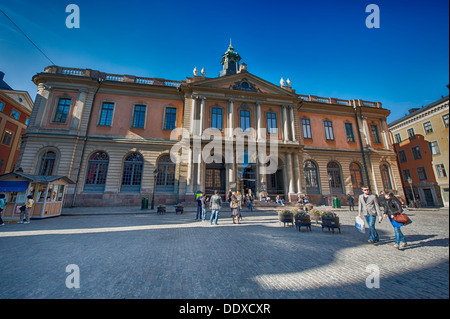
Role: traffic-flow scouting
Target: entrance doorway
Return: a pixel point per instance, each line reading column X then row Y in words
column 428, row 197
column 215, row 178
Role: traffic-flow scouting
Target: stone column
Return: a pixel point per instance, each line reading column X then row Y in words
column 297, row 177
column 292, row 119
column 193, row 108
column 285, row 126
column 230, row 114
column 290, row 175
column 258, row 122
column 202, row 115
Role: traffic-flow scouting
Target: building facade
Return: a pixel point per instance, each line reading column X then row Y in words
column 15, row 111
column 421, row 143
column 116, row 136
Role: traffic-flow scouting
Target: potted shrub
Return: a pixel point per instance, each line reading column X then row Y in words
column 330, row 220
column 179, row 209
column 308, row 207
column 161, row 209
column 315, row 214
column 302, row 219
column 286, row 216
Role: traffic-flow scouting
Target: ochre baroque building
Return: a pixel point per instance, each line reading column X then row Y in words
column 111, row 134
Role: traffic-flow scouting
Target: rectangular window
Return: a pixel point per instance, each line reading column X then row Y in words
column 398, row 138
column 375, row 134
column 170, row 118
column 441, row 172
column 402, row 156
column 349, row 132
column 139, row 116
column 216, row 118
column 1, row 106
column 406, row 174
column 445, row 120
column 328, row 126
column 27, row 121
column 272, row 123
column 427, row 127
column 411, row 133
column 306, row 128
column 62, row 111
column 7, row 137
column 416, row 152
column 422, row 173
column 245, row 120
column 106, row 114
column 15, row 114
column 434, row 148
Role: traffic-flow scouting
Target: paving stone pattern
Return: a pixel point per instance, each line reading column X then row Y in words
column 137, row 255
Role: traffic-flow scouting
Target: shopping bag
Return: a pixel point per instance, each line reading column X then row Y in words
column 359, row 224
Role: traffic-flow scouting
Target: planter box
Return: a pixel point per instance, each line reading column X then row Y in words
column 286, row 218
column 331, row 223
column 304, row 221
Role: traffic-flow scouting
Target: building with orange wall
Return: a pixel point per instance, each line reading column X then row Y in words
column 421, row 143
column 111, row 134
column 15, row 110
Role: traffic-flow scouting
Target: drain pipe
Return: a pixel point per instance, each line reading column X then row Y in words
column 361, row 145
column 100, row 82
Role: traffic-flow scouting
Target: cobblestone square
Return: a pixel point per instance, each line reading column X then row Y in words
column 134, row 255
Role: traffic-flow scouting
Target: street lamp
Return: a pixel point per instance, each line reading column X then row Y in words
column 409, row 180
column 155, row 174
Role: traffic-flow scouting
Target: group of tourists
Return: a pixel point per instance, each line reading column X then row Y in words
column 235, row 200
column 369, row 207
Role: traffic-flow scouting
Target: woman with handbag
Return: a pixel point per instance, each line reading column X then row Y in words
column 394, row 211
column 234, row 204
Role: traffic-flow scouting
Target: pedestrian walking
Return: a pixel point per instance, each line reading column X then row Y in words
column 351, row 202
column 240, row 200
column 2, row 207
column 394, row 207
column 199, row 206
column 250, row 200
column 25, row 213
column 382, row 200
column 203, row 200
column 234, row 204
column 215, row 204
column 368, row 206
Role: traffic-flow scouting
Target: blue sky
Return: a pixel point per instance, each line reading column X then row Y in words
column 323, row 47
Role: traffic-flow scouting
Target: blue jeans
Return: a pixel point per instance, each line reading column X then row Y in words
column 199, row 212
column 203, row 213
column 373, row 234
column 250, row 206
column 214, row 216
column 399, row 238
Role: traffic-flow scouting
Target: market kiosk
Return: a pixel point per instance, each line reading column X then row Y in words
column 47, row 191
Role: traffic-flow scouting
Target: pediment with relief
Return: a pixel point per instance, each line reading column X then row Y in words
column 245, row 82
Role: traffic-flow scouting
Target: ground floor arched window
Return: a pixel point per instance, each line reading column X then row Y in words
column 334, row 178
column 132, row 173
column 165, row 181
column 311, row 178
column 96, row 172
column 356, row 175
column 385, row 177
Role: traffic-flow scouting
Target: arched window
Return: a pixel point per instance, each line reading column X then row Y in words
column 165, row 181
column 357, row 181
column 334, row 178
column 385, row 177
column 96, row 172
column 47, row 163
column 132, row 173
column 311, row 178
